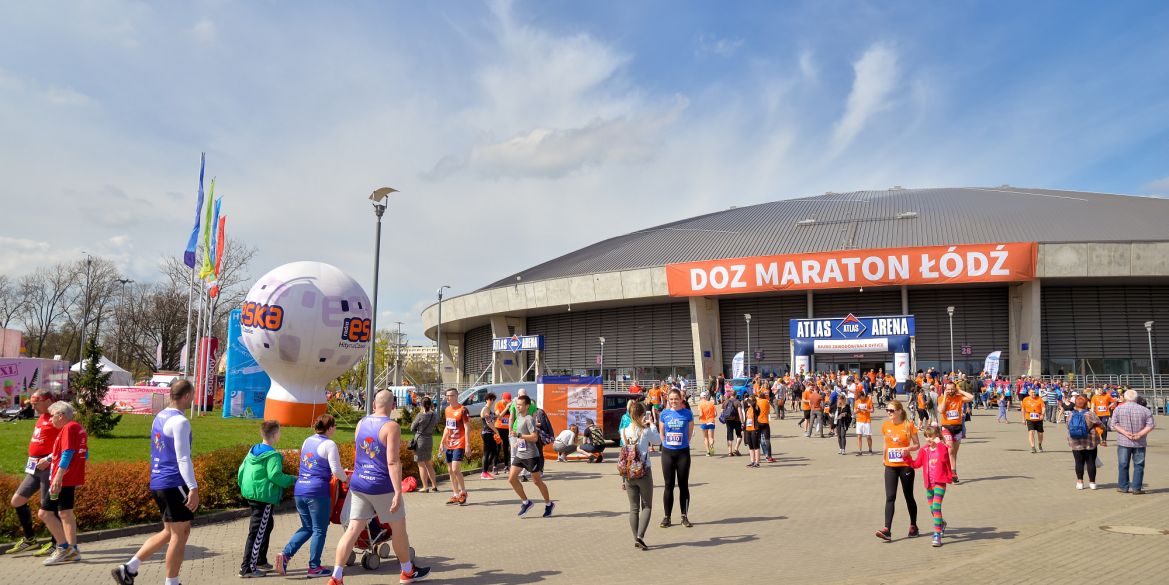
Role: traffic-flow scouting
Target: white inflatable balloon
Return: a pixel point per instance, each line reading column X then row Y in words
column 305, row 323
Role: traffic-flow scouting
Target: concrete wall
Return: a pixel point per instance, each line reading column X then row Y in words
column 1025, row 327
column 704, row 329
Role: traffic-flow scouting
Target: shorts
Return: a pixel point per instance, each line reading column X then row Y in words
column 366, row 506
column 453, row 455
column 734, row 429
column 64, row 500
column 657, row 407
column 532, row 465
column 172, row 504
column 708, row 426
column 33, row 482
column 1035, row 425
column 954, row 432
column 864, row 429
column 751, row 438
column 807, row 415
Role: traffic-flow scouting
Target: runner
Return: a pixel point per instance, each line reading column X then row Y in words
column 1102, row 405
column 842, row 419
column 40, row 456
column 730, row 417
column 863, row 412
column 934, row 463
column 952, row 415
column 763, row 401
column 502, row 424
column 706, row 418
column 749, row 414
column 173, row 485
column 806, row 406
column 656, row 393
column 454, row 444
column 376, row 489
column 900, row 438
column 675, row 425
column 640, row 435
column 319, row 461
column 514, row 413
column 1084, row 440
column 1032, row 408
column 527, row 456
column 70, row 452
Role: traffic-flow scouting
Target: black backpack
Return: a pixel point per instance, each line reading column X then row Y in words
column 544, row 428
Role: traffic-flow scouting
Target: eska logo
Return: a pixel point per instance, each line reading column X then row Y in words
column 356, row 329
column 270, row 317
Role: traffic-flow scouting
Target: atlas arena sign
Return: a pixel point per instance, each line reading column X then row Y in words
column 963, row 263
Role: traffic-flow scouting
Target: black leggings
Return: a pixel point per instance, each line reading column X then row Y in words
column 1085, row 458
column 676, row 464
column 490, row 452
column 905, row 476
column 734, row 429
column 504, row 456
column 842, row 431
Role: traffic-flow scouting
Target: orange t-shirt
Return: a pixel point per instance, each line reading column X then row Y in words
column 1032, row 408
column 951, row 413
column 764, row 410
column 1102, row 405
column 750, row 422
column 806, row 400
column 864, row 409
column 502, row 420
column 655, row 395
column 706, row 412
column 897, row 442
column 456, row 419
column 815, row 401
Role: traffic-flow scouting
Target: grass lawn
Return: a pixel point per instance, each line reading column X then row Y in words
column 131, row 440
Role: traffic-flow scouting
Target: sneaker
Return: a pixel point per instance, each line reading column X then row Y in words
column 253, row 574
column 639, row 543
column 123, row 576
column 1138, row 492
column 548, row 509
column 454, row 501
column 1122, row 490
column 45, row 550
column 955, row 478
column 1092, row 485
column 937, row 540
column 913, row 531
column 335, row 581
column 1033, row 450
column 1079, row 485
column 486, row 475
column 686, row 522
column 462, row 499
column 264, row 567
column 319, row 572
column 525, row 506
column 884, row 534
column 417, row 574
column 771, row 459
column 23, row 545
column 57, row 557
column 281, row 564
column 1041, row 448
column 665, row 522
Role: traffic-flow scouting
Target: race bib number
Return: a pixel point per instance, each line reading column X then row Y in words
column 31, row 466
column 452, row 424
column 951, row 414
column 674, row 439
column 895, row 455
column 505, row 420
column 1033, row 415
column 521, row 446
column 863, row 408
column 1101, row 409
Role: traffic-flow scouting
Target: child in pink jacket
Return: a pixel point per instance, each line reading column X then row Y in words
column 934, row 461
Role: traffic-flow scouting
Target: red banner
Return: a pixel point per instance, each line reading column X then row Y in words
column 961, row 263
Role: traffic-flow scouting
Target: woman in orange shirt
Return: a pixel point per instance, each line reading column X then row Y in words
column 706, row 420
column 900, row 439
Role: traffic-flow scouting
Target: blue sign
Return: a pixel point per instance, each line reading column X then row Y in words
column 852, row 327
column 245, row 385
column 518, row 343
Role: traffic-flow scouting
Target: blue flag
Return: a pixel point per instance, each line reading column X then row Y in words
column 189, row 254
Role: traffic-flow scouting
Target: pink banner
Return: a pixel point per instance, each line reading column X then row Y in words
column 136, row 399
column 20, row 377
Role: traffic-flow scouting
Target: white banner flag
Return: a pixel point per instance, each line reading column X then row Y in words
column 737, row 365
column 991, row 366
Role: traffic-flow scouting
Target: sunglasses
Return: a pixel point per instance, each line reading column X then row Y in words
column 890, row 410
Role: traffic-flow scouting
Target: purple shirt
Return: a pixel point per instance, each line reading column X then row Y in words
column 371, row 474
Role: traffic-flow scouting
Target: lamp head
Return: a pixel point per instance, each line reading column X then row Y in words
column 602, row 340
column 950, row 311
column 1149, row 325
column 379, row 195
column 747, row 316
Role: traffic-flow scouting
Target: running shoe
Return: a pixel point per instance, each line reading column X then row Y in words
column 1138, row 492
column 454, row 501
column 525, row 506
column 771, row 459
column 913, row 531
column 937, row 541
column 686, row 522
column 884, row 534
column 1041, row 448
column 1092, row 485
column 548, row 509
column 335, row 581
column 253, row 574
column 665, row 522
column 23, row 545
column 955, row 478
column 123, row 576
column 319, row 572
column 60, row 555
column 46, row 550
column 639, row 543
column 463, row 499
column 417, row 574
column 1033, row 451
column 1079, row 485
column 486, row 475
column 265, row 567
column 281, row 564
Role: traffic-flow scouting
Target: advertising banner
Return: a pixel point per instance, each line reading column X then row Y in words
column 137, row 399
column 245, row 385
column 19, row 377
column 991, row 366
column 961, row 263
column 570, row 400
column 737, row 365
column 850, row 345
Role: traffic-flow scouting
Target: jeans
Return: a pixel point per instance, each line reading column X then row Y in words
column 1135, row 455
column 1052, row 412
column 314, row 522
column 765, row 440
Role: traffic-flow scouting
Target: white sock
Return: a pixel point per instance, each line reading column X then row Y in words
column 172, row 581
column 338, row 572
column 407, row 567
column 132, row 565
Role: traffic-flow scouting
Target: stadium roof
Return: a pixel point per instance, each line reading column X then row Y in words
column 872, row 219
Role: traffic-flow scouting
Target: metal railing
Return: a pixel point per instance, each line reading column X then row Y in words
column 1137, row 381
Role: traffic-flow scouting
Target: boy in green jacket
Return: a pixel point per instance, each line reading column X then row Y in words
column 262, row 482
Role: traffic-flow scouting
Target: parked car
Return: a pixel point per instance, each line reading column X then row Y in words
column 475, row 397
column 613, row 408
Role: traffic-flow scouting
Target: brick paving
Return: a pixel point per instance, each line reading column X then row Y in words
column 1015, row 518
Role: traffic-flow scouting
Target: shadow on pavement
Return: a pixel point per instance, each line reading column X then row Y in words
column 995, row 478
column 571, row 475
column 440, row 565
column 119, row 555
column 743, row 520
column 973, row 533
column 596, row 514
column 716, row 541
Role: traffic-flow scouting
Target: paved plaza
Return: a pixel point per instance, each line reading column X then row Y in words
column 1015, row 518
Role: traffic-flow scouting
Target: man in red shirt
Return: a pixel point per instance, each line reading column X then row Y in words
column 455, row 431
column 70, row 451
column 36, row 470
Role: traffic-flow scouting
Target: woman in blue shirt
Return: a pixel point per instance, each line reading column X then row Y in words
column 675, row 424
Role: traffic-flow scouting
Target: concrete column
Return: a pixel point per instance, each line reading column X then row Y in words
column 1025, row 327
column 451, row 346
column 707, row 343
column 503, row 371
column 904, row 300
column 811, row 306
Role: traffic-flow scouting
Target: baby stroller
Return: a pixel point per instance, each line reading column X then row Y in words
column 374, row 542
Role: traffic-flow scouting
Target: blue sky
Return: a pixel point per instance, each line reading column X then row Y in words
column 521, row 131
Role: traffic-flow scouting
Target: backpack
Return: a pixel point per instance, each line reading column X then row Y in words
column 544, row 428
column 1078, row 425
column 630, row 465
column 730, row 412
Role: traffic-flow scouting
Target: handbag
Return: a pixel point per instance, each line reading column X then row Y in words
column 413, row 444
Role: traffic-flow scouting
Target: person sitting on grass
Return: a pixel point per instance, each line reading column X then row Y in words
column 262, row 482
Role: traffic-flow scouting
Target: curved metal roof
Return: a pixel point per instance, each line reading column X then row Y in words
column 872, row 219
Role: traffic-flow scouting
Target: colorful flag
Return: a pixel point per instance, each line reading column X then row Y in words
column 189, row 254
column 220, row 237
column 206, row 269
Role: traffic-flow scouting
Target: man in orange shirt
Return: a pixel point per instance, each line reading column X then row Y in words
column 863, row 413
column 816, row 405
column 454, row 444
column 1032, row 407
column 952, row 416
column 1102, row 405
column 502, row 430
column 806, row 406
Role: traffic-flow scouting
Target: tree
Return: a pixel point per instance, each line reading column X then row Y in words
column 12, row 303
column 234, row 282
column 46, row 292
column 91, row 385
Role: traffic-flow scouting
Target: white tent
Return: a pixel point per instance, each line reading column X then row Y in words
column 118, row 376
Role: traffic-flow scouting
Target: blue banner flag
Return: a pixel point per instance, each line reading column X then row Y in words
column 189, row 254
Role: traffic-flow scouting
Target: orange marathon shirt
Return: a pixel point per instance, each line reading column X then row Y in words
column 1033, row 408
column 749, row 418
column 864, row 409
column 655, row 395
column 951, row 413
column 806, row 400
column 1102, row 405
column 921, row 400
column 897, row 442
column 502, row 420
column 456, row 418
column 764, row 410
column 706, row 412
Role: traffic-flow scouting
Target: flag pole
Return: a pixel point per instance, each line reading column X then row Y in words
column 187, row 335
column 208, row 383
column 198, row 349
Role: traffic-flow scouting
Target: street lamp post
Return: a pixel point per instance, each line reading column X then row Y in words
column 438, row 332
column 1152, row 362
column 950, row 312
column 747, row 362
column 398, row 356
column 85, row 309
column 378, row 197
column 121, row 314
column 602, row 360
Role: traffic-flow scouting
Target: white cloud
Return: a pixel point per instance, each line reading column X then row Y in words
column 808, row 64
column 876, row 77
column 722, row 47
column 66, row 96
column 205, row 31
column 1159, row 186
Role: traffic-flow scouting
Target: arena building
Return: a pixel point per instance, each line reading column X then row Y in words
column 1058, row 281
